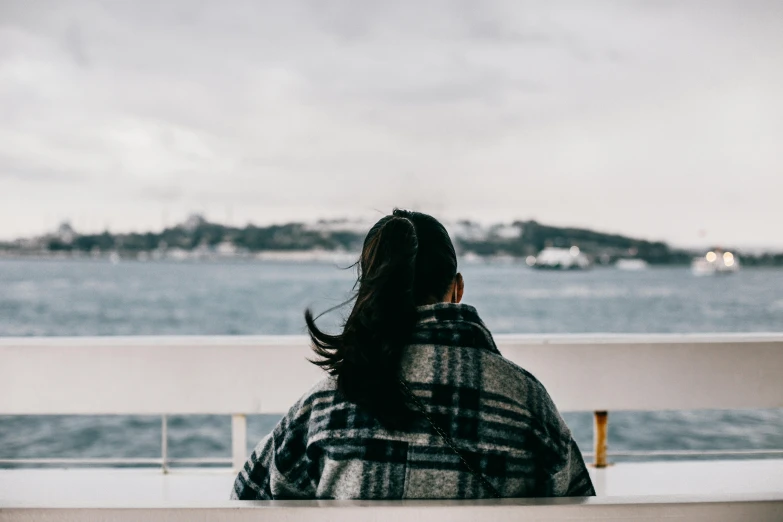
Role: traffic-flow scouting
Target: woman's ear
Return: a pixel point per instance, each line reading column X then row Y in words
column 459, row 288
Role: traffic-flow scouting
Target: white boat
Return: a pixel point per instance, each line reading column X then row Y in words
column 715, row 262
column 552, row 258
column 632, row 264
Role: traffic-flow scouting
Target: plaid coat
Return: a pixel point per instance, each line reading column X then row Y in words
column 499, row 416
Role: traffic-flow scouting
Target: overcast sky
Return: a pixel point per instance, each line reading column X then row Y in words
column 657, row 119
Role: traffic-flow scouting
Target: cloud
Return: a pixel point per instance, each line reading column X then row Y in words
column 596, row 114
column 75, row 45
column 14, row 169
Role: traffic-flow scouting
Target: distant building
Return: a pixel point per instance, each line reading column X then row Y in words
column 66, row 233
column 553, row 258
column 507, row 231
column 226, row 248
column 193, row 222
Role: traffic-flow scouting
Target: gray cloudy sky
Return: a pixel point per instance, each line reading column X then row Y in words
column 659, row 119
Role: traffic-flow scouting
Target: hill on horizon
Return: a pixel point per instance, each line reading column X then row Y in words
column 518, row 239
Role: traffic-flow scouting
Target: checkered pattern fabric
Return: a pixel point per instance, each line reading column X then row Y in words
column 499, row 416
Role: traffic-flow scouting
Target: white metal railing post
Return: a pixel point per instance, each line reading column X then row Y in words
column 238, row 441
column 164, row 443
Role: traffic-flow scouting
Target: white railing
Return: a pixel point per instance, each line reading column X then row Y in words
column 250, row 375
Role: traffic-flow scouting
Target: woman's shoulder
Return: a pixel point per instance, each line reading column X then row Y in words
column 317, row 397
column 321, row 392
column 505, row 376
column 523, row 391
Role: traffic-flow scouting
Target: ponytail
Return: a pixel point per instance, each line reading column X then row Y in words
column 365, row 357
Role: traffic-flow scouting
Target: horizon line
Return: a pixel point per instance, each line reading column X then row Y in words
column 756, row 248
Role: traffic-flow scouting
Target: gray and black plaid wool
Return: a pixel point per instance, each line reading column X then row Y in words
column 499, row 416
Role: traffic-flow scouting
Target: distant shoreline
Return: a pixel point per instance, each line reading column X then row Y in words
column 339, row 241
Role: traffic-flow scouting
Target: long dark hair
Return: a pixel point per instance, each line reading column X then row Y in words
column 407, row 260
